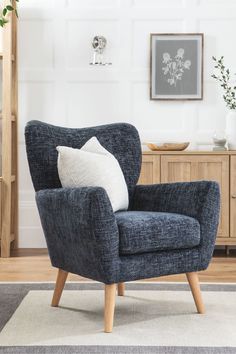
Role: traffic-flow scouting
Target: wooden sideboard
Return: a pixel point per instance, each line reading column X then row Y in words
column 173, row 166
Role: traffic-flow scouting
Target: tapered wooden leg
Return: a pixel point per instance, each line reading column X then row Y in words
column 110, row 295
column 60, row 283
column 121, row 289
column 195, row 288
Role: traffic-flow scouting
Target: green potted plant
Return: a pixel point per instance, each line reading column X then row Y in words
column 229, row 96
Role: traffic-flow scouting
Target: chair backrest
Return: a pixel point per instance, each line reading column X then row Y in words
column 121, row 139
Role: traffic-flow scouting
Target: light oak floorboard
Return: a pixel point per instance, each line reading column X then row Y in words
column 34, row 265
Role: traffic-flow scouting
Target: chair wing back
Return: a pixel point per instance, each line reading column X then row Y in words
column 121, row 139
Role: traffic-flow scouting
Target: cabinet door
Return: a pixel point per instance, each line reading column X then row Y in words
column 177, row 168
column 150, row 170
column 233, row 197
column 186, row 168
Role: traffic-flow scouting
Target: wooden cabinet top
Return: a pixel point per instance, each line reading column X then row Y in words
column 190, row 152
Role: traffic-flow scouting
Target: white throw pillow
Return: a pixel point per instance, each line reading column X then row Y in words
column 94, row 166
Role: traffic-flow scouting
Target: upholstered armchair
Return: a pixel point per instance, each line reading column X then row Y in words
column 168, row 228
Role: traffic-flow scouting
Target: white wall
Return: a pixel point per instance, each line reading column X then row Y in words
column 57, row 85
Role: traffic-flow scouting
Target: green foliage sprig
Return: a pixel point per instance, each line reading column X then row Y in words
column 5, row 11
column 224, row 79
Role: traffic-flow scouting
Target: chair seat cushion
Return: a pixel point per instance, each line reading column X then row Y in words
column 145, row 231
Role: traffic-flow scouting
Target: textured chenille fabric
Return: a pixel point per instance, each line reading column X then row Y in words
column 199, row 200
column 145, row 231
column 121, row 140
column 82, row 232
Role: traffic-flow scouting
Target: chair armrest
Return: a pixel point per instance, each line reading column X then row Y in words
column 81, row 231
column 200, row 200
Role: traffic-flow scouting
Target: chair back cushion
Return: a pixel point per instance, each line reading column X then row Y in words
column 120, row 139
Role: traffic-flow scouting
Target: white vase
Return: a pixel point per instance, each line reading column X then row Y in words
column 231, row 129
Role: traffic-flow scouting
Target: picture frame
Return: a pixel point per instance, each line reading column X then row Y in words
column 176, row 66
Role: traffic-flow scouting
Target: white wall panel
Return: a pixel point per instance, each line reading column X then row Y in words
column 25, row 182
column 31, row 237
column 217, row 2
column 40, row 105
column 57, row 85
column 141, row 37
column 93, row 3
column 93, row 103
column 218, row 41
column 158, row 3
column 159, row 116
column 36, row 49
column 29, row 216
column 211, row 111
column 36, row 4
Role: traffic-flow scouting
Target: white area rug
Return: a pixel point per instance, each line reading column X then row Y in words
column 142, row 318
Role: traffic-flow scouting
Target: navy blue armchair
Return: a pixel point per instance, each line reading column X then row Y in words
column 168, row 228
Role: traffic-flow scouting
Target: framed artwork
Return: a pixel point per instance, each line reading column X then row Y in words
column 176, row 66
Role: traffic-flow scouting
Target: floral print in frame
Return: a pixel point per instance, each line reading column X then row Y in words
column 176, row 66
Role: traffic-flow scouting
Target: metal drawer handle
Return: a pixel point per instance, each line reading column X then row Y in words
column 233, row 196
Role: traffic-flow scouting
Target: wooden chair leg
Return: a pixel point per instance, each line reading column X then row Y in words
column 121, row 289
column 110, row 295
column 195, row 288
column 60, row 283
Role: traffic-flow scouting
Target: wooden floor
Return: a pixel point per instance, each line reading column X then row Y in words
column 34, row 265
